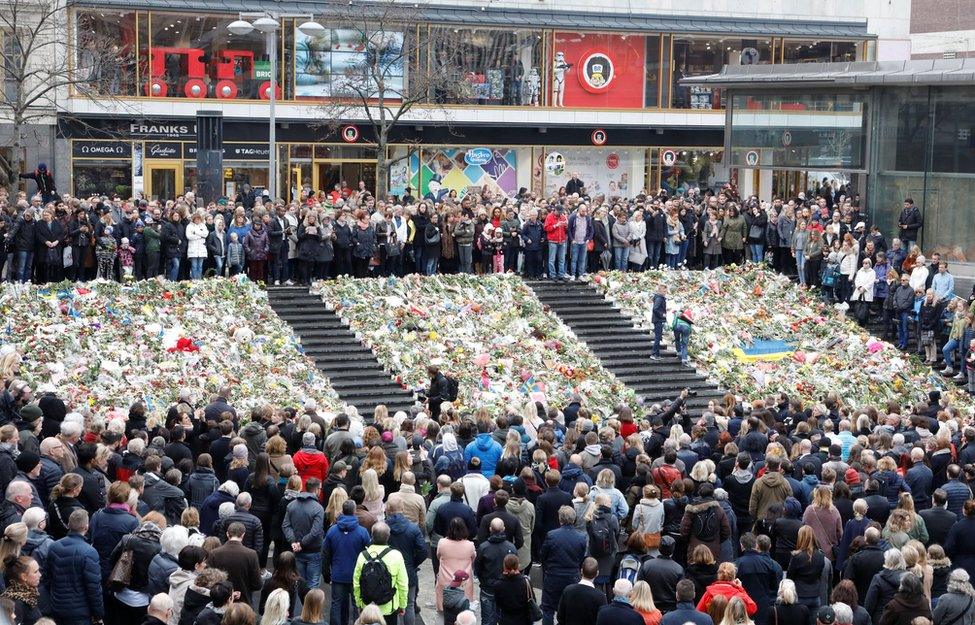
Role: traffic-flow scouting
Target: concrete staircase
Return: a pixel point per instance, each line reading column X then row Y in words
column 623, row 349
column 351, row 366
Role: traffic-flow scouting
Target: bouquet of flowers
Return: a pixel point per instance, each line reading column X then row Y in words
column 490, row 332
column 734, row 309
column 105, row 345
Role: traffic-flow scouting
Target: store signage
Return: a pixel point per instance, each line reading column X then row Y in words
column 597, row 71
column 749, row 56
column 350, row 133
column 786, row 138
column 101, row 149
column 669, row 158
column 751, row 158
column 599, row 137
column 555, row 163
column 262, row 70
column 613, row 160
column 478, row 156
column 152, row 130
column 246, row 151
column 164, row 149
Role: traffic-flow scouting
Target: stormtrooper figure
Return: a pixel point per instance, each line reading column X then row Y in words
column 531, row 86
column 559, row 70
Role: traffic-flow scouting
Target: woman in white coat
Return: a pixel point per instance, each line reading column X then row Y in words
column 638, row 240
column 196, row 245
column 863, row 283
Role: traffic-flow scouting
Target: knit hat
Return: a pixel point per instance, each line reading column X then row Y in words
column 852, row 477
column 240, row 451
column 27, row 461
column 31, row 413
column 387, row 437
column 339, row 466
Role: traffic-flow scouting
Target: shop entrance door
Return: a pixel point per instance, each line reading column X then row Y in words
column 328, row 173
column 164, row 179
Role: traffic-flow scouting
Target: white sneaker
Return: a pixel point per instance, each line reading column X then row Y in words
column 572, row 278
column 947, row 371
column 959, row 377
column 289, row 283
column 277, row 283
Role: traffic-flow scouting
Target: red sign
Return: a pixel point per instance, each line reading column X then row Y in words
column 598, row 71
column 350, row 133
column 613, row 160
column 599, row 137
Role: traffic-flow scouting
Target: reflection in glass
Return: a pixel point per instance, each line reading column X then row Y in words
column 699, row 57
column 819, row 51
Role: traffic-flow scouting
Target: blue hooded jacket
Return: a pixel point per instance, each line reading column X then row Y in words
column 406, row 537
column 342, row 545
column 487, row 449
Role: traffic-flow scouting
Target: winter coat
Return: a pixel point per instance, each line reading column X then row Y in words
column 768, row 489
column 656, row 227
column 163, row 497
column 143, row 542
column 759, row 575
column 106, row 529
column 532, row 236
column 309, row 462
column 253, row 530
column 73, row 575
column 162, row 566
column 826, row 525
column 487, row 449
column 696, row 513
column 864, row 282
column 303, row 522
column 363, row 241
column 729, row 590
column 903, row 610
column 524, row 511
column 342, row 544
column 488, row 564
column 210, row 509
column 256, row 244
column 960, row 545
column 881, row 592
column 648, row 516
column 407, row 538
column 201, row 483
column 955, row 608
column 733, row 232
column 563, row 551
column 173, row 238
column 196, row 237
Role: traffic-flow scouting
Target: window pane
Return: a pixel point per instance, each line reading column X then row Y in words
column 699, row 57
column 336, row 64
column 106, row 44
column 591, row 70
column 903, row 126
column 98, row 177
column 695, row 169
column 652, row 72
column 819, row 51
column 197, row 57
column 954, row 143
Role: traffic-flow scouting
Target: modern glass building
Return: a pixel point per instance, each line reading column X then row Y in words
column 893, row 129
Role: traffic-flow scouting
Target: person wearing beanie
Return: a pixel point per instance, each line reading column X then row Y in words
column 29, row 426
column 29, row 470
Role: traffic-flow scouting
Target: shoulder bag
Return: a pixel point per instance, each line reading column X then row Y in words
column 121, row 575
column 534, row 612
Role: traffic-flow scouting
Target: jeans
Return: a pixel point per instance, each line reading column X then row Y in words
column 903, row 328
column 409, row 615
column 556, row 260
column 658, row 334
column 758, row 252
column 196, row 268
column 682, row 251
column 801, row 266
column 465, row 253
column 489, row 614
column 949, row 350
column 654, row 249
column 418, row 259
column 621, row 256
column 22, row 265
column 218, row 265
column 813, row 604
column 673, row 260
column 343, row 608
column 430, row 264
column 172, row 269
column 276, row 266
column 682, row 337
column 309, row 566
column 577, row 267
column 552, row 587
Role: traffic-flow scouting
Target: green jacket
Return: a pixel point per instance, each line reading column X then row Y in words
column 152, row 238
column 733, row 232
column 397, row 570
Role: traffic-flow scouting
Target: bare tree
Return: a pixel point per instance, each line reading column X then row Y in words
column 389, row 70
column 40, row 62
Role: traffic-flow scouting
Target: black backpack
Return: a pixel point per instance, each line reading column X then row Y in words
column 450, row 388
column 375, row 582
column 706, row 527
column 600, row 537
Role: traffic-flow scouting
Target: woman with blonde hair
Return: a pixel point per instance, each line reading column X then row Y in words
column 641, row 598
column 919, row 529
column 13, row 540
column 277, row 450
column 370, row 615
column 64, row 501
column 333, row 509
column 897, row 528
column 917, row 563
column 582, row 506
column 276, row 608
column 787, row 610
column 375, row 494
column 376, row 460
column 825, row 521
column 510, row 463
column 648, row 516
column 806, row 569
column 606, row 484
column 737, row 612
column 728, row 585
column 854, row 527
column 312, row 609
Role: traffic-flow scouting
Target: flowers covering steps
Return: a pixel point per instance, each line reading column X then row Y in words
column 736, row 309
column 106, row 345
column 490, row 332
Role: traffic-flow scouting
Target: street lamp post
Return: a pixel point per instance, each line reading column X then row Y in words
column 269, row 23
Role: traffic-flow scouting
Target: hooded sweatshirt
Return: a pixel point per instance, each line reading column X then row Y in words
column 487, row 449
column 648, row 516
column 342, row 545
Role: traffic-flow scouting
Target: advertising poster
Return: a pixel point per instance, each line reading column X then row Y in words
column 466, row 170
column 598, row 71
column 607, row 172
column 333, row 64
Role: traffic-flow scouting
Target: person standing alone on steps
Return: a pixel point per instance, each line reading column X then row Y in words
column 659, row 318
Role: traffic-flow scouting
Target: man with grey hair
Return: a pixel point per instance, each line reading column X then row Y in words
column 920, row 478
column 69, row 437
column 240, row 513
column 619, row 611
column 52, row 451
column 862, row 566
column 414, row 505
column 489, row 567
column 561, row 557
column 160, row 610
column 843, row 612
column 381, row 554
column 16, row 501
column 466, row 618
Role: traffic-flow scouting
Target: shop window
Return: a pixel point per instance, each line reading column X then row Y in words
column 819, row 51
column 484, row 66
column 652, row 74
column 701, row 169
column 590, row 70
column 238, row 173
column 700, row 57
column 106, row 52
column 606, row 172
column 102, row 177
column 197, row 57
column 339, row 63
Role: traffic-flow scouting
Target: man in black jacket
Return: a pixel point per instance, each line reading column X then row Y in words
column 173, row 244
column 656, row 233
column 580, row 602
column 903, row 298
column 277, row 240
column 938, row 518
column 93, row 490
column 659, row 317
column 662, row 573
column 488, row 566
column 865, row 563
column 909, row 222
column 22, row 236
column 512, row 526
column 619, row 611
column 253, row 530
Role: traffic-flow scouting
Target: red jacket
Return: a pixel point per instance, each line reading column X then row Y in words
column 310, row 463
column 729, row 590
column 556, row 227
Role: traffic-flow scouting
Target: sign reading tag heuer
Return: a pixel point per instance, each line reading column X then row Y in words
column 262, row 70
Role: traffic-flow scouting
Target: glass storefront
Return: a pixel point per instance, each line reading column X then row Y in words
column 700, row 56
column 592, row 70
column 683, row 169
column 102, row 177
column 819, row 51
column 606, row 172
column 107, row 46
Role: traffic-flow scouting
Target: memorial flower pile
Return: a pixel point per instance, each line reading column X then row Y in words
column 105, row 345
column 737, row 309
column 490, row 332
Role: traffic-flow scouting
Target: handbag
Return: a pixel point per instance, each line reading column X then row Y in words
column 590, row 245
column 534, row 612
column 756, row 232
column 121, row 575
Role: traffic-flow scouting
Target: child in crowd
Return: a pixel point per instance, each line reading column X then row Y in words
column 497, row 246
column 105, row 253
column 126, row 258
column 235, row 255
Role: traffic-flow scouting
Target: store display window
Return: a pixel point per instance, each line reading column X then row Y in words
column 106, row 51
column 102, row 177
column 819, row 51
column 699, row 57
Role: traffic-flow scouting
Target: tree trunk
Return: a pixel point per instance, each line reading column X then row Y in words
column 382, row 176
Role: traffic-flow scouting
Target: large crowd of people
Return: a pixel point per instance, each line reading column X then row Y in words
column 757, row 511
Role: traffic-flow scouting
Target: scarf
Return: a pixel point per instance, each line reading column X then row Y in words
column 148, row 531
column 17, row 591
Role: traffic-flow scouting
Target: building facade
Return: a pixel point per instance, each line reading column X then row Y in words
column 541, row 91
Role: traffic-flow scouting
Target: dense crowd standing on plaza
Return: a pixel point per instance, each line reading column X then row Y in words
column 759, row 510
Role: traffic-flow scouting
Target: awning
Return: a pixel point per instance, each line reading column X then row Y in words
column 862, row 73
